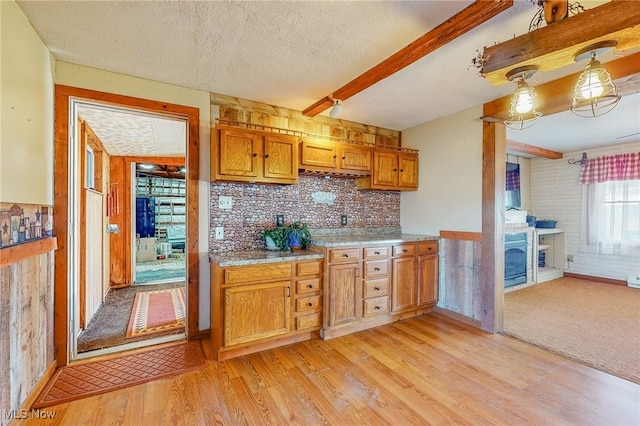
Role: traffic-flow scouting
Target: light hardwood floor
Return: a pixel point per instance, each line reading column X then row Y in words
column 425, row 370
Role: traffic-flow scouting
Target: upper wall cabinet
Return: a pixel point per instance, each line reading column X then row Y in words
column 243, row 155
column 334, row 157
column 392, row 170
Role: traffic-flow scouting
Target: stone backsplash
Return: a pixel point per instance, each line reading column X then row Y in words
column 315, row 200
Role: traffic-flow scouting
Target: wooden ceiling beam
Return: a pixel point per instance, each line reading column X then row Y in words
column 533, row 150
column 469, row 18
column 556, row 96
column 554, row 46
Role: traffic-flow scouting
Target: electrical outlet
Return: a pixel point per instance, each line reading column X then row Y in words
column 279, row 219
column 343, row 220
column 225, row 202
column 219, row 232
column 569, row 258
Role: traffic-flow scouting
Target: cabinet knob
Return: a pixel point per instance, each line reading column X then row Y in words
column 335, row 156
column 310, row 286
column 309, row 304
column 344, row 158
column 255, row 154
column 395, row 170
column 266, row 156
column 402, row 170
column 376, row 288
column 376, row 269
column 378, row 308
column 376, row 252
column 405, row 250
column 346, row 255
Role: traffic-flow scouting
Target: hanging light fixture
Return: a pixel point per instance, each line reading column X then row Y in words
column 336, row 109
column 522, row 113
column 594, row 94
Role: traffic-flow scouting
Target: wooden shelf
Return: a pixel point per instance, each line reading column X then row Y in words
column 14, row 254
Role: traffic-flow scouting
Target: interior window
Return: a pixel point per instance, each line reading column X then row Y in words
column 90, row 169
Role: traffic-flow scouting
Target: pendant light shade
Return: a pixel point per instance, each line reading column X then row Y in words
column 522, row 113
column 336, row 109
column 594, row 94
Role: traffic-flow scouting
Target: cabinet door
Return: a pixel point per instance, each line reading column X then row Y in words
column 403, row 284
column 354, row 158
column 344, row 293
column 256, row 311
column 385, row 169
column 318, row 154
column 408, row 171
column 427, row 280
column 281, row 158
column 240, row 153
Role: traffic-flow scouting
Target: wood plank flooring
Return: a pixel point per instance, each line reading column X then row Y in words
column 425, row 370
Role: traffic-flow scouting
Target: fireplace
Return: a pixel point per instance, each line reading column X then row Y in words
column 515, row 259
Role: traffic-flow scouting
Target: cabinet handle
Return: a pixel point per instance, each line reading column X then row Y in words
column 376, row 288
column 288, row 291
column 310, row 286
column 378, row 308
column 344, row 158
column 405, row 250
column 376, row 269
column 346, row 255
column 402, row 170
column 309, row 304
column 395, row 170
column 255, row 154
column 376, row 252
column 266, row 156
column 335, row 156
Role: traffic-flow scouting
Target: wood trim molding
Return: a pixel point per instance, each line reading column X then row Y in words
column 63, row 94
column 461, row 235
column 168, row 161
column 533, row 150
column 456, row 316
column 597, row 279
column 35, row 392
column 14, row 254
column 464, row 21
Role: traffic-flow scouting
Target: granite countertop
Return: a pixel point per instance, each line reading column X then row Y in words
column 356, row 240
column 257, row 257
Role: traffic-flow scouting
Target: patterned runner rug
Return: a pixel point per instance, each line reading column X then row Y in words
column 156, row 311
column 78, row 381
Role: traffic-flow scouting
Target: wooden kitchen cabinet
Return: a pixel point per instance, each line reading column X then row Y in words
column 242, row 155
column 255, row 307
column 427, row 273
column 344, row 294
column 415, row 276
column 403, row 290
column 392, row 170
column 334, row 157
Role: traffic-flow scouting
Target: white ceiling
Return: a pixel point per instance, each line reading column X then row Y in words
column 292, row 53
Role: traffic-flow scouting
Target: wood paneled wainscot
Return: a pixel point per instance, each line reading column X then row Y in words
column 244, row 155
column 372, row 284
column 261, row 306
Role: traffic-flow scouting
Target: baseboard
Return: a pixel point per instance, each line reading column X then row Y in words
column 456, row 316
column 592, row 278
column 200, row 335
column 26, row 405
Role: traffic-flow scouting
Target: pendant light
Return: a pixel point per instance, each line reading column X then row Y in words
column 594, row 94
column 522, row 113
column 336, row 109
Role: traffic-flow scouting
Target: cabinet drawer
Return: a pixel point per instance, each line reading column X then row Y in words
column 308, row 286
column 308, row 321
column 257, row 273
column 404, row 250
column 309, row 268
column 430, row 247
column 308, row 303
column 376, row 306
column 376, row 268
column 375, row 253
column 373, row 288
column 343, row 255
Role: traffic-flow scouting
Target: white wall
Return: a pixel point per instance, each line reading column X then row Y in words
column 557, row 194
column 26, row 129
column 450, row 181
column 105, row 81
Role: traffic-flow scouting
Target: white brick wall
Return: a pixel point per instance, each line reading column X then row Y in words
column 555, row 193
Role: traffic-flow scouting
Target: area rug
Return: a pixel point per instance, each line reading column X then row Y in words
column 594, row 323
column 156, row 312
column 92, row 378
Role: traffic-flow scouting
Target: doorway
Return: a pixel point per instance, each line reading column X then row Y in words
column 66, row 174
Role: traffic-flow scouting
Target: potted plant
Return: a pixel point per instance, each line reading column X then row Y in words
column 298, row 235
column 276, row 238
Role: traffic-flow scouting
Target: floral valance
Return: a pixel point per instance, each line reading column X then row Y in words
column 611, row 168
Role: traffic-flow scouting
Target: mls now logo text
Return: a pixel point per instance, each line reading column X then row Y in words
column 23, row 414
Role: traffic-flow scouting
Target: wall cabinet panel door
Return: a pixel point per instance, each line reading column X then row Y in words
column 354, row 158
column 385, row 170
column 403, row 284
column 240, row 153
column 408, row 171
column 318, row 154
column 281, row 157
column 256, row 311
column 427, row 280
column 344, row 293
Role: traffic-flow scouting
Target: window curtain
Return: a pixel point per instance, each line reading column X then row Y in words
column 611, row 204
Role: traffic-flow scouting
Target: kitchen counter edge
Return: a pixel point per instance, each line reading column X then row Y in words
column 360, row 240
column 259, row 257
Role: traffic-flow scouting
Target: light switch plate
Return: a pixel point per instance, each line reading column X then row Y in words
column 225, row 202
column 219, row 232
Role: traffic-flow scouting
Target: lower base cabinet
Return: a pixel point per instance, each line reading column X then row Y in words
column 257, row 307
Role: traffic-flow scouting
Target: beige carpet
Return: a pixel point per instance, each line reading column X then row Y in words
column 594, row 323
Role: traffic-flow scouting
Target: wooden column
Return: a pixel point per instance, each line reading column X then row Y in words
column 494, row 137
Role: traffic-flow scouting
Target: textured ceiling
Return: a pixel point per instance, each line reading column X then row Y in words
column 291, row 53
